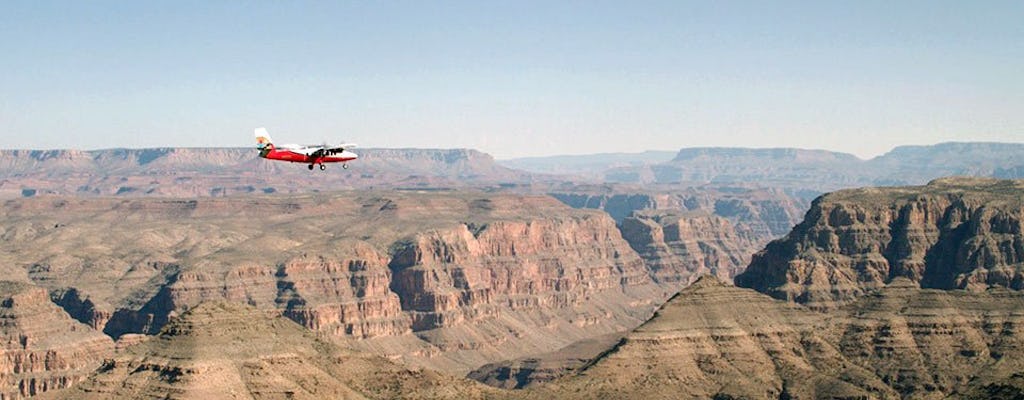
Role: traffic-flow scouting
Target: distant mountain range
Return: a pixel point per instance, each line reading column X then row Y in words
column 221, row 171
column 224, row 171
column 809, row 172
column 587, row 165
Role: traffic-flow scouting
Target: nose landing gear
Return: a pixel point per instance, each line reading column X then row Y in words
column 323, row 167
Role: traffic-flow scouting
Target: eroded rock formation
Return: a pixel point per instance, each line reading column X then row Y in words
column 952, row 233
column 679, row 247
column 43, row 348
column 450, row 281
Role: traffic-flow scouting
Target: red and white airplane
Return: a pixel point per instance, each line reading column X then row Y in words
column 312, row 154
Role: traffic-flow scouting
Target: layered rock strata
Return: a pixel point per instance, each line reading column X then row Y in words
column 687, row 232
column 449, row 281
column 953, row 233
column 43, row 348
column 229, row 350
column 768, row 213
column 717, row 341
column 679, row 247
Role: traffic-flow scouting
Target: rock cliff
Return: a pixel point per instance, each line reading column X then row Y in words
column 952, row 233
column 682, row 233
column 681, row 246
column 43, row 348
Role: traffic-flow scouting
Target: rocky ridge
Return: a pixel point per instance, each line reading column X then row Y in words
column 43, row 348
column 952, row 233
column 713, row 340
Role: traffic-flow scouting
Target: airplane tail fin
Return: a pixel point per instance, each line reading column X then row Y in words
column 263, row 139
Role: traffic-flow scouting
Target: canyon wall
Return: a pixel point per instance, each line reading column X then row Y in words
column 43, row 348
column 679, row 247
column 449, row 281
column 952, row 233
column 685, row 232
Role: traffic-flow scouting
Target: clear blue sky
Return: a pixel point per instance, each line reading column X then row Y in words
column 515, row 78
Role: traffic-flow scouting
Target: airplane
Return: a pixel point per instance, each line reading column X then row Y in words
column 311, row 154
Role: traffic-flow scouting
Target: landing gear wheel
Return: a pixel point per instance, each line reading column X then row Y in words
column 310, row 167
column 344, row 166
column 323, row 167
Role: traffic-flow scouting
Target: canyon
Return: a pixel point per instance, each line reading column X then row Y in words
column 43, row 347
column 446, row 263
column 449, row 281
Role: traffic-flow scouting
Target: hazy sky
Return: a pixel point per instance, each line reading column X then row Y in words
column 515, row 78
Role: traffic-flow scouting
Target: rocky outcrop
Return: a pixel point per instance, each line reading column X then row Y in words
column 229, row 350
column 449, row 277
column 952, row 233
column 43, row 348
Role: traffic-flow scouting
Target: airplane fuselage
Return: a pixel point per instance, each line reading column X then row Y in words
column 302, row 157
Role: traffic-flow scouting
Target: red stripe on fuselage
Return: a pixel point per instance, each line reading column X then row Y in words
column 285, row 155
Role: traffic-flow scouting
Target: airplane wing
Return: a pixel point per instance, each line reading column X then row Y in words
column 335, row 149
column 342, row 146
column 324, row 150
